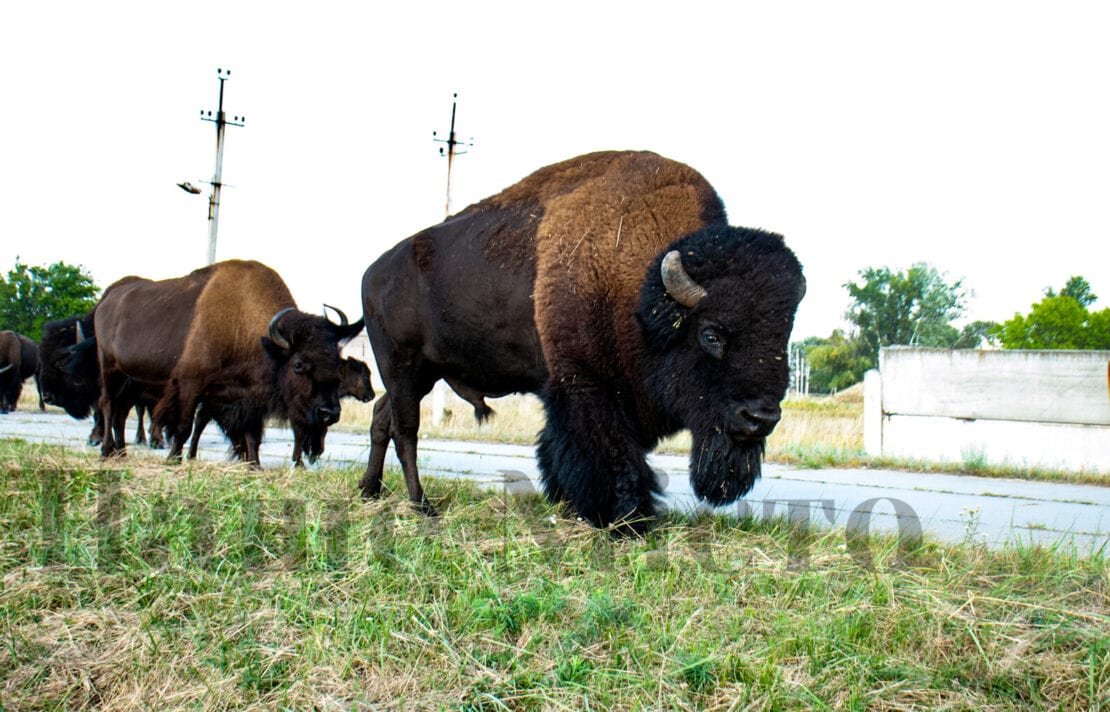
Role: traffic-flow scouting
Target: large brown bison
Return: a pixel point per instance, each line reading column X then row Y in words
column 19, row 360
column 612, row 286
column 227, row 337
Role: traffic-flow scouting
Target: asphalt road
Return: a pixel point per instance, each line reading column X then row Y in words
column 951, row 508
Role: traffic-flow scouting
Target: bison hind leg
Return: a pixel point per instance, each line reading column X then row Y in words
column 482, row 412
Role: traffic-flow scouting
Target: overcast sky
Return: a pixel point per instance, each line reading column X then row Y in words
column 974, row 136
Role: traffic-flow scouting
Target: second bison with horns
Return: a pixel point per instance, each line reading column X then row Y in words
column 227, row 338
column 612, row 286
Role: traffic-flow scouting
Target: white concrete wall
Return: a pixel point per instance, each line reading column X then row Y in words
column 1024, row 408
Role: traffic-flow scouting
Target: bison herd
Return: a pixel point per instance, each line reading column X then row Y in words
column 610, row 285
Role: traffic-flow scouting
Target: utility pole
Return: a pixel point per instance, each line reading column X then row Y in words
column 439, row 390
column 450, row 152
column 214, row 199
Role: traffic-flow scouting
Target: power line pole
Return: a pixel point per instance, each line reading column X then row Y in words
column 214, row 199
column 439, row 390
column 450, row 152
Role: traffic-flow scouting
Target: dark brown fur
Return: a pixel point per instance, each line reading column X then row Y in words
column 550, row 287
column 19, row 360
column 203, row 339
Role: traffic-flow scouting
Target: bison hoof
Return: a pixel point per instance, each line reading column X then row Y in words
column 370, row 490
column 426, row 508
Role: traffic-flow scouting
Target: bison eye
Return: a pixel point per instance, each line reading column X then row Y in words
column 712, row 342
column 299, row 367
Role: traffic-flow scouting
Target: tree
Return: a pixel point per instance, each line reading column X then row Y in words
column 1078, row 289
column 32, row 296
column 1059, row 321
column 912, row 307
column 836, row 362
column 975, row 334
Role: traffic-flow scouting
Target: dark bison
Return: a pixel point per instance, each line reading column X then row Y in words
column 19, row 360
column 612, row 286
column 227, row 338
column 354, row 382
column 69, row 378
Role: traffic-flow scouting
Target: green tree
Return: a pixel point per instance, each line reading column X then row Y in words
column 836, row 362
column 976, row 334
column 1059, row 321
column 30, row 296
column 915, row 307
column 1078, row 289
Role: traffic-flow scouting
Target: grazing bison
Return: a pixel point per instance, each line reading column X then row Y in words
column 69, row 377
column 19, row 360
column 612, row 286
column 68, row 373
column 354, row 382
column 228, row 337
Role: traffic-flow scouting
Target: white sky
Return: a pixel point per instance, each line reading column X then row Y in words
column 974, row 136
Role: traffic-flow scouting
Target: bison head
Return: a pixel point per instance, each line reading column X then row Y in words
column 69, row 375
column 306, row 370
column 716, row 313
column 355, row 381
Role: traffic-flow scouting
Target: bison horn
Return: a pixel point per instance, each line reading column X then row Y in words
column 7, row 368
column 682, row 288
column 80, row 332
column 342, row 316
column 275, row 332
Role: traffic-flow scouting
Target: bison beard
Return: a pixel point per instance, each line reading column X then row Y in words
column 723, row 469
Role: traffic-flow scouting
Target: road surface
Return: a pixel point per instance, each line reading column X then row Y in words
column 951, row 508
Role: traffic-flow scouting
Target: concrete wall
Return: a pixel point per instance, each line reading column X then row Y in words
column 1024, row 408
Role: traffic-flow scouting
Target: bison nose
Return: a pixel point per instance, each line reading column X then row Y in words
column 753, row 419
column 327, row 415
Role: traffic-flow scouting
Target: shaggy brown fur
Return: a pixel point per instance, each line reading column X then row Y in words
column 203, row 337
column 553, row 286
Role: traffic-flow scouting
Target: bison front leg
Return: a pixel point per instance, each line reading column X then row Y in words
column 175, row 412
column 298, row 448
column 115, row 424
column 589, row 457
column 203, row 418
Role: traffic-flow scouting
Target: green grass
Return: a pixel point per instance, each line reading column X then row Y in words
column 131, row 585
